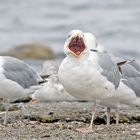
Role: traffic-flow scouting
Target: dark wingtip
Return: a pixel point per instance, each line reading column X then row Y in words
column 93, row 50
column 44, row 76
column 43, row 81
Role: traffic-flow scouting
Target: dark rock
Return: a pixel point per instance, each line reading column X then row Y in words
column 32, row 50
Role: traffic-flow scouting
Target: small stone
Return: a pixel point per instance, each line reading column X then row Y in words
column 138, row 133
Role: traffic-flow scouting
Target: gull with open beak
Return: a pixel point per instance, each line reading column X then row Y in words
column 86, row 74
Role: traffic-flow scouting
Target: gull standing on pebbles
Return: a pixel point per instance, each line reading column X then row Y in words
column 86, row 74
column 94, row 76
column 17, row 80
column 129, row 69
column 130, row 74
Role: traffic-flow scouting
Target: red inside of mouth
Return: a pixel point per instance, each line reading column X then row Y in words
column 77, row 45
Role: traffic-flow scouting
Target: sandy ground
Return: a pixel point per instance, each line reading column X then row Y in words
column 58, row 121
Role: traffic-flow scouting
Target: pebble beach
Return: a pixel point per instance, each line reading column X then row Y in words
column 59, row 120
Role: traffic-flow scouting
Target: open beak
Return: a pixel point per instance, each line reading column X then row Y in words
column 77, row 45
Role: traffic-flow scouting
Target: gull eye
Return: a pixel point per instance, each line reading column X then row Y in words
column 83, row 36
column 68, row 35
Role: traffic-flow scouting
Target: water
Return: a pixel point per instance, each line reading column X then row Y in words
column 116, row 23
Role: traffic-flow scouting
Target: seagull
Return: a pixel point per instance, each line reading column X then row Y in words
column 129, row 69
column 85, row 74
column 17, row 80
column 94, row 76
column 126, row 67
column 52, row 90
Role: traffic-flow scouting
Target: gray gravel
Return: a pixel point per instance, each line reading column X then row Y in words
column 58, row 121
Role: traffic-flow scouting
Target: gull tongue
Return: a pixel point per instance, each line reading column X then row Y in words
column 78, row 50
column 77, row 53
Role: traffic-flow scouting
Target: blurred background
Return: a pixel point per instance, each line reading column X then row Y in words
column 46, row 23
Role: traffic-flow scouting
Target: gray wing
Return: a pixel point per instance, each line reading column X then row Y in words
column 133, row 63
column 110, row 69
column 18, row 71
column 132, row 76
column 116, row 59
column 130, row 72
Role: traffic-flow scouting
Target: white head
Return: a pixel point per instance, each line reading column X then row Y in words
column 79, row 43
column 92, row 43
column 90, row 40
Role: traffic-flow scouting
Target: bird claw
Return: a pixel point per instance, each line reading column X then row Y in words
column 34, row 101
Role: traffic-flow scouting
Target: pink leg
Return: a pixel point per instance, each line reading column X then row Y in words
column 90, row 128
column 117, row 116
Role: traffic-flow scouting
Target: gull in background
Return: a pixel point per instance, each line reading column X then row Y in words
column 17, row 80
column 94, row 76
column 129, row 69
column 93, row 45
column 52, row 90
